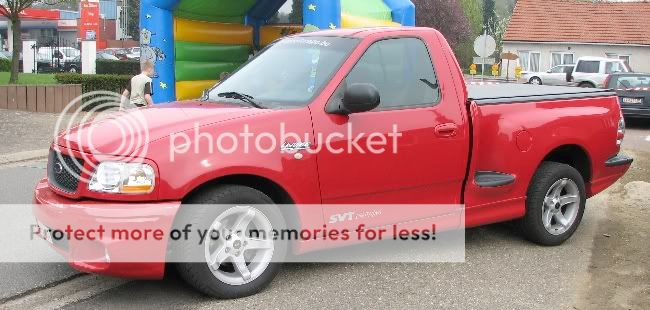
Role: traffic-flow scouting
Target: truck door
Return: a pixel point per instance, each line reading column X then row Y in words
column 424, row 163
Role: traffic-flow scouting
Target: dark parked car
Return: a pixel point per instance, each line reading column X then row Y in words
column 74, row 65
column 42, row 65
column 633, row 89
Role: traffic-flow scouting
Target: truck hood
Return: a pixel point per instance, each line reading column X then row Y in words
column 123, row 133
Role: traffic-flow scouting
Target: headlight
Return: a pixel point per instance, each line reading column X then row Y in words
column 123, row 178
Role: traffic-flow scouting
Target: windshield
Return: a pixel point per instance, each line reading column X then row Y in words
column 69, row 53
column 289, row 73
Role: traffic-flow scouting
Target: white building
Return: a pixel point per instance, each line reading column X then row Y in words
column 554, row 32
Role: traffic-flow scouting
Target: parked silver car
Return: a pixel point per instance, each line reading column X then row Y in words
column 555, row 76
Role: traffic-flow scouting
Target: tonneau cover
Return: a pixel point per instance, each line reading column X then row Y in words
column 511, row 93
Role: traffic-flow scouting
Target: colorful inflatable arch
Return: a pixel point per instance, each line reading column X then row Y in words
column 192, row 42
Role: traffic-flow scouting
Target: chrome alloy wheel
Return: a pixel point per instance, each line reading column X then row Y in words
column 243, row 246
column 561, row 205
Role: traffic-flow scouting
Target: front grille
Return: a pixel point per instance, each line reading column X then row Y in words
column 63, row 171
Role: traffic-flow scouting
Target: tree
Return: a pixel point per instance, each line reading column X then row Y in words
column 445, row 15
column 296, row 12
column 473, row 9
column 11, row 9
column 489, row 11
column 497, row 28
column 133, row 26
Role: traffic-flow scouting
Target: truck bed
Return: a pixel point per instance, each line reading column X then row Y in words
column 511, row 93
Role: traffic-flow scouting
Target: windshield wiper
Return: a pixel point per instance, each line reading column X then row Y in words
column 242, row 97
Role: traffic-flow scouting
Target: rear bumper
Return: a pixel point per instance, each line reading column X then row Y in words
column 107, row 256
column 614, row 168
column 619, row 160
column 635, row 112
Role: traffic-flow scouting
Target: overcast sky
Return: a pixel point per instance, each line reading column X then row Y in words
column 286, row 8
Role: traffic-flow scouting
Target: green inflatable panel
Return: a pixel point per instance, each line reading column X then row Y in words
column 375, row 9
column 207, row 52
column 196, row 70
column 224, row 11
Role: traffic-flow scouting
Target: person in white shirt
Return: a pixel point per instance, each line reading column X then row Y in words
column 139, row 90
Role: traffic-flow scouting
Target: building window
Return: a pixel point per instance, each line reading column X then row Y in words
column 561, row 58
column 625, row 58
column 529, row 61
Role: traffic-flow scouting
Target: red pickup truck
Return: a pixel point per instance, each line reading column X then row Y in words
column 533, row 154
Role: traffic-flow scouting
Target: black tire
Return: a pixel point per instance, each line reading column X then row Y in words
column 535, row 81
column 586, row 85
column 531, row 225
column 199, row 275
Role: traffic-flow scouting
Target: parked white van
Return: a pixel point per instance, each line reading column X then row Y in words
column 592, row 72
column 64, row 53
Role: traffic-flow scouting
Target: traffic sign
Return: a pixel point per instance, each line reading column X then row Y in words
column 485, row 45
column 484, row 61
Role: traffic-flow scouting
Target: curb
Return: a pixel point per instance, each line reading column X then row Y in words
column 23, row 156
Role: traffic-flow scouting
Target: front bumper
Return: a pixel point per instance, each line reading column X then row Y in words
column 144, row 259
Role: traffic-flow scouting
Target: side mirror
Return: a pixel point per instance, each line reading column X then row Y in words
column 357, row 98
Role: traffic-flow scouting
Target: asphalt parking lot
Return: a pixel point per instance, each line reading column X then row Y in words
column 604, row 266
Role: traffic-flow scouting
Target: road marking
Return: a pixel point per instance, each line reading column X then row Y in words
column 68, row 292
column 647, row 138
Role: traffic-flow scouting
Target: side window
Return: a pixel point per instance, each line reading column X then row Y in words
column 614, row 67
column 588, row 67
column 558, row 69
column 402, row 71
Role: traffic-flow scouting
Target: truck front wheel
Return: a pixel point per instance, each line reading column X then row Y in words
column 555, row 204
column 239, row 256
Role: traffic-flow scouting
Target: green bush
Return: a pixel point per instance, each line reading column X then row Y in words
column 5, row 65
column 130, row 67
column 95, row 82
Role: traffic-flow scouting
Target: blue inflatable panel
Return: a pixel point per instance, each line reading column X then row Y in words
column 403, row 11
column 157, row 45
column 322, row 14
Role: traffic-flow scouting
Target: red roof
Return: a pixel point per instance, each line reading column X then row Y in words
column 580, row 21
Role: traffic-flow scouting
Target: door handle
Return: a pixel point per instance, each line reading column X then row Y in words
column 446, row 130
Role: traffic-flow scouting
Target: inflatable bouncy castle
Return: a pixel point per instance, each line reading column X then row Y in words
column 192, row 42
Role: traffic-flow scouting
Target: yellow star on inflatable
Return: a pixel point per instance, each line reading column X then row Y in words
column 332, row 26
column 163, row 85
column 312, row 7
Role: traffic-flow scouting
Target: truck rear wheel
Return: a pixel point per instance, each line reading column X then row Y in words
column 234, row 264
column 555, row 204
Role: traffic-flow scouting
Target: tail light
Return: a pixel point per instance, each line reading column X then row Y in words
column 620, row 133
column 607, row 80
